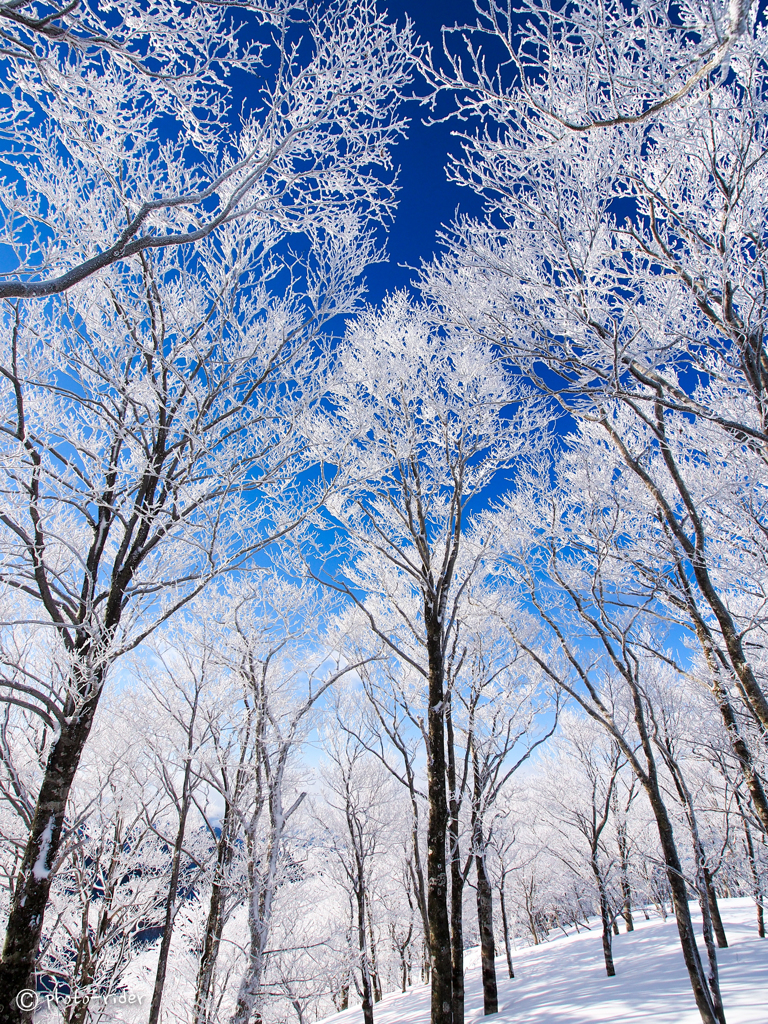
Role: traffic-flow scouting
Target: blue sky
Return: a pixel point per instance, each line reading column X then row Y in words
column 426, row 199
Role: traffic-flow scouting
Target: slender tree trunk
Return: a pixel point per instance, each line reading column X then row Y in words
column 707, row 898
column 437, row 827
column 705, row 892
column 756, row 881
column 225, row 849
column 740, row 748
column 505, row 926
column 714, row 910
column 751, row 693
column 682, row 913
column 366, row 987
column 262, row 882
column 530, row 913
column 626, row 888
column 674, row 871
column 485, row 923
column 375, row 980
column 457, row 937
column 30, row 896
column 215, row 922
column 403, row 949
column 605, row 917
column 484, row 895
column 79, row 1011
column 173, row 885
column 416, row 869
column 457, row 880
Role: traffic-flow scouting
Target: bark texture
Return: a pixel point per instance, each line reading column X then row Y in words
column 25, row 920
column 437, row 829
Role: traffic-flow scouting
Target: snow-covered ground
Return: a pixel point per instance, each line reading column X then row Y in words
column 563, row 981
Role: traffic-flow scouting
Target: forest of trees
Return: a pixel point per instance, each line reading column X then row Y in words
column 339, row 637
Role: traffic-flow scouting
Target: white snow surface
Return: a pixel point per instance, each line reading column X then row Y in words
column 563, row 981
column 40, row 869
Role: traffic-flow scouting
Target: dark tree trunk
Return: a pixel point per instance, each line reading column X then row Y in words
column 756, row 881
column 30, row 896
column 505, row 926
column 705, row 892
column 710, row 1013
column 702, row 995
column 173, row 885
column 403, row 948
column 437, row 826
column 366, row 988
column 457, row 880
column 626, row 888
column 485, row 923
column 225, row 849
column 714, row 910
column 214, row 924
column 484, row 894
column 457, row 939
column 740, row 748
column 415, row 868
column 605, row 918
column 530, row 912
column 375, row 979
column 79, row 1011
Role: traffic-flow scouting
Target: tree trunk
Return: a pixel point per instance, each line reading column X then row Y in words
column 605, row 917
column 714, row 910
column 457, row 938
column 416, row 870
column 215, row 922
column 225, row 849
column 505, row 926
column 173, row 885
column 457, row 880
column 375, row 979
column 756, row 881
column 426, row 963
column 674, row 871
column 437, row 826
column 704, row 889
column 530, row 913
column 626, row 888
column 485, row 923
column 365, row 973
column 740, row 748
column 30, row 896
column 702, row 995
column 484, row 894
column 344, row 1000
column 79, row 1011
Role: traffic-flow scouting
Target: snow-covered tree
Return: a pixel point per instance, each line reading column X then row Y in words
column 620, row 153
column 144, row 127
column 148, row 413
column 411, row 462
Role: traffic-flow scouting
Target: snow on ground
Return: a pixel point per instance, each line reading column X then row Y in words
column 563, row 981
